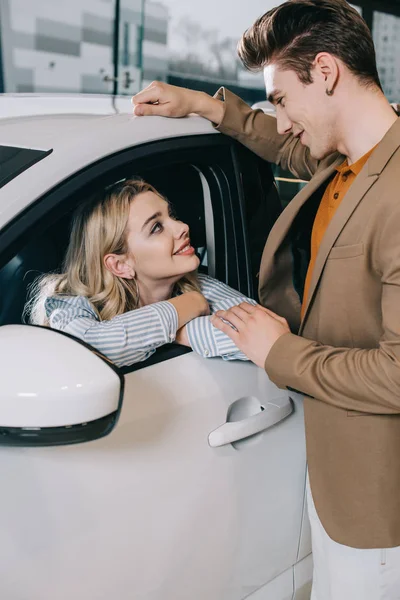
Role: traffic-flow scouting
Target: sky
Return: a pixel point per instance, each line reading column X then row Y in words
column 230, row 17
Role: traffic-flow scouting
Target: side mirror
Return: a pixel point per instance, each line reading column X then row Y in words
column 54, row 389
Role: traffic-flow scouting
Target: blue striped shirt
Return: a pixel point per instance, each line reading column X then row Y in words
column 135, row 335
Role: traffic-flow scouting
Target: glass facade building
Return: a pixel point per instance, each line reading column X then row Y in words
column 75, row 46
column 49, row 46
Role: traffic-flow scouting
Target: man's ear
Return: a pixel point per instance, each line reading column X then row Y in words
column 327, row 68
column 118, row 265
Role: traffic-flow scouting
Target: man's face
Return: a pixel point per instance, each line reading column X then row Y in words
column 303, row 110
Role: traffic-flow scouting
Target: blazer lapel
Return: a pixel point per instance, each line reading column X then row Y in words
column 364, row 181
column 277, row 288
column 285, row 221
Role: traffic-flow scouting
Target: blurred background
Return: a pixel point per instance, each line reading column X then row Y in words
column 120, row 46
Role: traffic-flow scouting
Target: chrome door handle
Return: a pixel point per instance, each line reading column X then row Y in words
column 233, row 431
column 125, row 78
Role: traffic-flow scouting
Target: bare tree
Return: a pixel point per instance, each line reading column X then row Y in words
column 224, row 51
column 205, row 53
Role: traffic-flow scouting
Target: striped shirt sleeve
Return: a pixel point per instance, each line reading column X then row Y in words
column 204, row 338
column 126, row 339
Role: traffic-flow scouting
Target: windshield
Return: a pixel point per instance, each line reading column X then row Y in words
column 14, row 161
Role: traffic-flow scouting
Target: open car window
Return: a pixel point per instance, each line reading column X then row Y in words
column 14, row 160
column 44, row 253
column 212, row 187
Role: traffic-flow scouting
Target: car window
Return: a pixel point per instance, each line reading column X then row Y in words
column 181, row 184
column 184, row 187
column 261, row 208
column 288, row 185
column 192, row 177
column 14, row 160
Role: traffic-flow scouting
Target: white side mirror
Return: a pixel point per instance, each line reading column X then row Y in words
column 54, row 390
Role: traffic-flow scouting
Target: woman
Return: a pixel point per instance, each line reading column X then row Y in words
column 130, row 281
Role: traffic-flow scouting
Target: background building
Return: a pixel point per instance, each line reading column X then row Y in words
column 68, row 46
column 76, row 46
column 386, row 32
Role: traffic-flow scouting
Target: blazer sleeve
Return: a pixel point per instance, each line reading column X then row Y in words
column 365, row 380
column 126, row 339
column 258, row 132
column 204, row 338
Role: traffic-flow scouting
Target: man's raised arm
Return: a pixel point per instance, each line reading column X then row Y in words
column 232, row 116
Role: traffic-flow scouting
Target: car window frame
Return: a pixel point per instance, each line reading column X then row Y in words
column 258, row 202
column 46, row 209
column 56, row 203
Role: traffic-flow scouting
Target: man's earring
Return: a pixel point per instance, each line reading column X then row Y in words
column 329, row 92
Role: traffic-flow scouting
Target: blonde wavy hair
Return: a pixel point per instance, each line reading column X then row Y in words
column 99, row 227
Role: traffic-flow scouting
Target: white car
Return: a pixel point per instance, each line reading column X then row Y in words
column 181, row 478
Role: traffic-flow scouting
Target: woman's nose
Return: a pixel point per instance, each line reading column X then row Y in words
column 181, row 229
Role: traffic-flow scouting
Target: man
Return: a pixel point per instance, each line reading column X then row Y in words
column 330, row 275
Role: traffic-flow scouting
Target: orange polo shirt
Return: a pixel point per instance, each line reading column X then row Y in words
column 331, row 199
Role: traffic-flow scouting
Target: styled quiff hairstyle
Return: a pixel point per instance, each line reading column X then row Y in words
column 292, row 34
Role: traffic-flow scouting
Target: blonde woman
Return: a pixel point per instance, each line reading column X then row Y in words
column 130, row 281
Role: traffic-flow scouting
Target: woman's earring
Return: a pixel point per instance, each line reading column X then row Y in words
column 136, row 291
column 329, row 92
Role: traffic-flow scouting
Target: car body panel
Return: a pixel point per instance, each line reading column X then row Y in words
column 151, row 511
column 16, row 105
column 212, row 523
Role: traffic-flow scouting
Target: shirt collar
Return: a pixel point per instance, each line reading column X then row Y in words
column 356, row 167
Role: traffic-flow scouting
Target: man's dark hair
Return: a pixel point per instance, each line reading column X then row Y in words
column 293, row 33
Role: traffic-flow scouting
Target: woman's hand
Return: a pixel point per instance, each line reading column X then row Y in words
column 182, row 337
column 189, row 306
column 201, row 303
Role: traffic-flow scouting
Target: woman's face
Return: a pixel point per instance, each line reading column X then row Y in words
column 158, row 245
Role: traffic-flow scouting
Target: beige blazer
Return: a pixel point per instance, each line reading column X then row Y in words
column 345, row 353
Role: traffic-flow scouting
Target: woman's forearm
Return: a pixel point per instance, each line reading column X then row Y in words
column 189, row 306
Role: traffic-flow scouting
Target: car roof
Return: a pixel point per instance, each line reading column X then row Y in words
column 265, row 105
column 14, row 105
column 77, row 140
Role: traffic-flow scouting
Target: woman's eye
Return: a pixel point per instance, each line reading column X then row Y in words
column 156, row 228
column 279, row 101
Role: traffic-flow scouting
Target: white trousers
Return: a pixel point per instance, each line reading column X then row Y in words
column 344, row 573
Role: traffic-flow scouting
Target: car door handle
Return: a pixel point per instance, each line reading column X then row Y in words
column 233, row 431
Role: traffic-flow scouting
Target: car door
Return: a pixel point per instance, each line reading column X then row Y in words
column 198, row 491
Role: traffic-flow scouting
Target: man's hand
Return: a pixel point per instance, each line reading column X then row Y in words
column 257, row 329
column 167, row 100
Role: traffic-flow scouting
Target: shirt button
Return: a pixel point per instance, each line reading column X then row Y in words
column 345, row 177
column 171, row 336
column 336, row 196
column 206, row 352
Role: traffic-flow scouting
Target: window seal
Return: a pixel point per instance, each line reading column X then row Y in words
column 209, row 222
column 163, row 353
